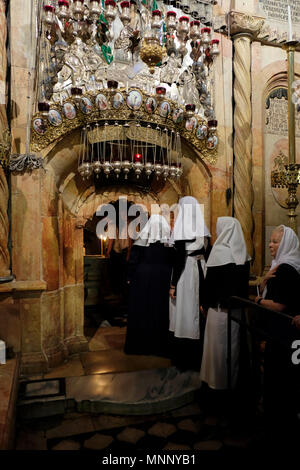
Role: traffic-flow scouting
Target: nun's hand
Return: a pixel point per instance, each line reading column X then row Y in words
column 172, row 293
column 269, row 275
column 203, row 311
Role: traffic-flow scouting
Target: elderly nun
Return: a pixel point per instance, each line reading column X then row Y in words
column 149, row 275
column 280, row 292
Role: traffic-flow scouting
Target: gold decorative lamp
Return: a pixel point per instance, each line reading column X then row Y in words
column 151, row 52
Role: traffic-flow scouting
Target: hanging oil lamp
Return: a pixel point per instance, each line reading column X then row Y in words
column 125, row 16
column 179, row 171
column 190, row 110
column 49, row 17
column 206, row 39
column 215, row 47
column 171, row 22
column 212, row 125
column 195, row 31
column 183, row 27
column 43, row 108
column 110, row 12
column 76, row 93
column 95, row 9
column 156, row 19
column 63, row 10
column 78, row 9
column 173, row 171
column 138, row 164
column 151, row 51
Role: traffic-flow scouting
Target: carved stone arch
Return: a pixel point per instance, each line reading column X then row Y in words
column 66, row 204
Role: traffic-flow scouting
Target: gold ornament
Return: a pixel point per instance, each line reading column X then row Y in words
column 151, row 52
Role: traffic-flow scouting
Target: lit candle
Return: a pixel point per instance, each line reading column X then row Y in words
column 290, row 23
column 127, row 86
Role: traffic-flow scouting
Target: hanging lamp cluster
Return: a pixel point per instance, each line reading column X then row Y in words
column 118, row 149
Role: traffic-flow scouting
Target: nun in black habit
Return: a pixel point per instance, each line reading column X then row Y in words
column 227, row 275
column 191, row 240
column 149, row 274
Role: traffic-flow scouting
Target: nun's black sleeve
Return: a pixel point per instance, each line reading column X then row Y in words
column 134, row 259
column 223, row 282
column 179, row 262
column 284, row 288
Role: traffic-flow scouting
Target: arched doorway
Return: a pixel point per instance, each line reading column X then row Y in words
column 68, row 203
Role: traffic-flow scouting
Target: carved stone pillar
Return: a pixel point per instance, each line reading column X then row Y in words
column 4, row 150
column 243, row 29
column 4, row 254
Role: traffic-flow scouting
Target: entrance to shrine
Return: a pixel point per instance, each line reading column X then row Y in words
column 106, row 261
column 75, row 269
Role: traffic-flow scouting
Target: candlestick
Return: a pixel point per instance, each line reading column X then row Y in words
column 290, row 35
column 289, row 177
column 290, row 49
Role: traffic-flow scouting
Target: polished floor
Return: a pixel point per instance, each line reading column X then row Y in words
column 196, row 426
column 105, row 356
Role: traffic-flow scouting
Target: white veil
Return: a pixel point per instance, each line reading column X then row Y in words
column 230, row 246
column 289, row 250
column 189, row 223
column 156, row 230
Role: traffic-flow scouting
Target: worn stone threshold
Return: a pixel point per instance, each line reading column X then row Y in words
column 143, row 392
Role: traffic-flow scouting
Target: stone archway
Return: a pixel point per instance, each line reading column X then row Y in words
column 78, row 201
column 52, row 230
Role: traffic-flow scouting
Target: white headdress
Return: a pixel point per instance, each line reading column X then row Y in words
column 230, row 246
column 156, row 229
column 189, row 223
column 289, row 250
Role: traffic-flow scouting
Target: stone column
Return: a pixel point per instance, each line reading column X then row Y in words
column 244, row 29
column 73, row 285
column 4, row 150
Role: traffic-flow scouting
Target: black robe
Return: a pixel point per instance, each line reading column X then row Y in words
column 149, row 273
column 282, row 377
column 223, row 282
column 186, row 353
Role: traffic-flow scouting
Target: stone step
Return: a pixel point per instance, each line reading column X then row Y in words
column 142, row 392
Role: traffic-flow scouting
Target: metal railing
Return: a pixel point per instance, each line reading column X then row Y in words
column 257, row 321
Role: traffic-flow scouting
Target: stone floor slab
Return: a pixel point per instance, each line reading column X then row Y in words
column 174, row 446
column 162, row 430
column 71, row 427
column 139, row 392
column 240, row 441
column 130, row 435
column 208, row 445
column 67, row 445
column 98, row 442
column 98, row 343
column 104, row 362
column 110, row 422
column 71, row 368
column 31, row 440
column 192, row 409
